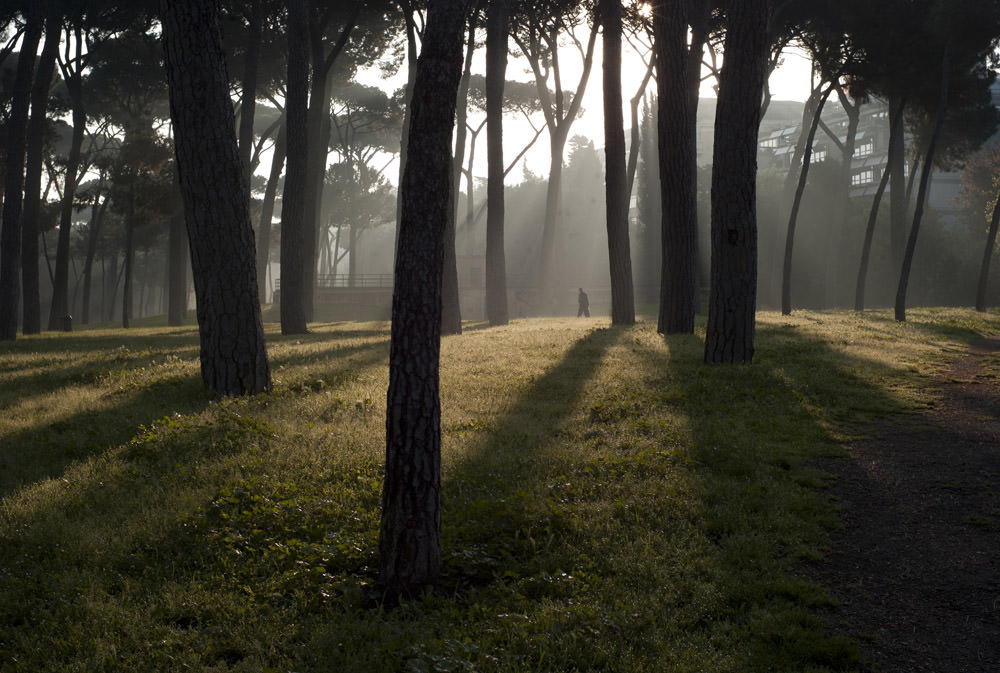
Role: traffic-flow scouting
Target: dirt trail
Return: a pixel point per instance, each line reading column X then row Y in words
column 916, row 566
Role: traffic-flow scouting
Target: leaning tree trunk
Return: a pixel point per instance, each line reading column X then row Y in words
column 216, row 200
column 496, row 69
column 984, row 268
column 248, row 99
column 786, row 273
column 17, row 123
column 678, row 189
column 410, row 534
column 267, row 210
column 616, row 179
column 925, row 174
column 293, row 235
column 729, row 335
column 33, row 165
column 897, row 181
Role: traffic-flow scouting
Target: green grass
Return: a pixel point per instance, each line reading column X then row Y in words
column 610, row 503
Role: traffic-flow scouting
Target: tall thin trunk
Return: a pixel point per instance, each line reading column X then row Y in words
column 30, row 230
column 248, row 99
column 496, row 73
column 729, row 336
column 293, row 234
column 216, row 200
column 786, row 275
column 616, row 179
column 410, row 533
column 866, row 247
column 267, row 210
column 96, row 216
column 10, row 235
column 925, row 174
column 129, row 257
column 984, row 267
column 177, row 271
column 897, row 181
column 835, row 287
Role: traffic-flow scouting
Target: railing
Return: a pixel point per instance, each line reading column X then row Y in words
column 343, row 280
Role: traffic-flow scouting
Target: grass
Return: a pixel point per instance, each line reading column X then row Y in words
column 610, row 503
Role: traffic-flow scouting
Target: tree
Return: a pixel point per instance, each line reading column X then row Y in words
column 496, row 69
column 616, row 200
column 10, row 236
column 410, row 534
column 216, row 201
column 732, row 300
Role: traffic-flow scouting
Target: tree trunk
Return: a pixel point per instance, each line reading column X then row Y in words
column 10, row 235
column 177, row 267
column 410, row 535
column 129, row 257
column 451, row 307
column 293, row 234
column 786, row 274
column 836, row 289
column 732, row 302
column 496, row 73
column 897, row 181
column 925, row 174
column 984, row 268
column 616, row 179
column 96, row 216
column 30, row 231
column 267, row 211
column 866, row 247
column 216, row 201
column 677, row 171
column 248, row 99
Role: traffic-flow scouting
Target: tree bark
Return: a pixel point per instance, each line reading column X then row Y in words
column 732, row 302
column 616, row 179
column 10, row 235
column 496, row 74
column 984, row 267
column 293, row 234
column 677, row 171
column 30, row 230
column 216, row 200
column 925, row 174
column 786, row 274
column 410, row 535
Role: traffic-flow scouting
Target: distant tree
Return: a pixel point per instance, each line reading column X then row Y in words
column 978, row 198
column 496, row 68
column 616, row 179
column 732, row 301
column 410, row 535
column 216, row 199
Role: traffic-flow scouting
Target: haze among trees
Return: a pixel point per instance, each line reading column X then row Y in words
column 270, row 131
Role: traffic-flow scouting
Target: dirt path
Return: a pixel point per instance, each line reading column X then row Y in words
column 917, row 563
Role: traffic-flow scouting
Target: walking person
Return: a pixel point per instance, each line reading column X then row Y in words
column 584, row 304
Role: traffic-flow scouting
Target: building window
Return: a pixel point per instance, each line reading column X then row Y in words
column 864, row 149
column 770, row 143
column 865, row 177
column 818, row 156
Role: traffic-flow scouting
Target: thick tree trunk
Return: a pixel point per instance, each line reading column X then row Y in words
column 616, row 179
column 925, row 174
column 293, row 233
column 732, row 302
column 216, row 201
column 248, row 99
column 30, row 230
column 496, row 73
column 897, row 181
column 410, row 535
column 267, row 210
column 10, row 235
column 984, row 267
column 677, row 171
column 177, row 272
column 786, row 275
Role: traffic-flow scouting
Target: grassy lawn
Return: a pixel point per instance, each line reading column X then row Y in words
column 610, row 503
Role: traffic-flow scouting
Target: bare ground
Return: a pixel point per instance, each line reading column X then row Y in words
column 916, row 566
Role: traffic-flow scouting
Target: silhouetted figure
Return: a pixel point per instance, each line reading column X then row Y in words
column 584, row 302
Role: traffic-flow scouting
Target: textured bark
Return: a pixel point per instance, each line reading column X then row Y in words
column 496, row 73
column 410, row 535
column 925, row 174
column 267, row 210
column 10, row 235
column 33, row 165
column 732, row 301
column 984, row 268
column 616, row 179
column 897, row 181
column 293, row 243
column 786, row 275
column 216, row 200
column 677, row 171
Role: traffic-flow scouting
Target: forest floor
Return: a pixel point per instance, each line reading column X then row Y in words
column 916, row 566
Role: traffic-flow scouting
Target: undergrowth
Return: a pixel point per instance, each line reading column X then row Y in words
column 610, row 503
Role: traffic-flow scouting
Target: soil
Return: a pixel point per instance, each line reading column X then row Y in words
column 916, row 565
